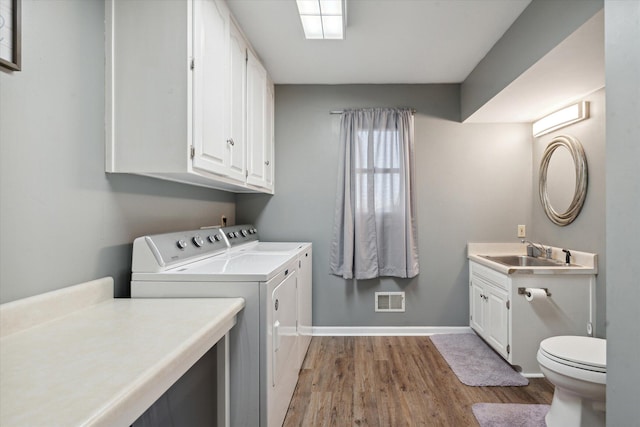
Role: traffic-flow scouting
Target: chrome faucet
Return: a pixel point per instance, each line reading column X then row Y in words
column 538, row 247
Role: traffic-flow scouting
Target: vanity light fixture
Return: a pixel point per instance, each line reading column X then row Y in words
column 561, row 118
column 322, row 19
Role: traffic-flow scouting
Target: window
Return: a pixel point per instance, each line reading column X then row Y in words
column 374, row 226
column 378, row 172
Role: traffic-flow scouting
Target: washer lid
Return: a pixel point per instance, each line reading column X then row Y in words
column 586, row 351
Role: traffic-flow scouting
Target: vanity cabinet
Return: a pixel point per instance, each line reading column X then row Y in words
column 513, row 326
column 489, row 317
column 176, row 94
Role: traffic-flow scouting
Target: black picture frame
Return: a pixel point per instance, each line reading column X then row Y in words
column 10, row 54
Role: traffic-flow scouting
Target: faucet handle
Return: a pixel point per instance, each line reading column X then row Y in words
column 567, row 259
column 530, row 250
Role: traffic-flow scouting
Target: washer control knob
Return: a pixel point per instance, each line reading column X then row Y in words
column 197, row 240
column 244, row 233
column 236, row 234
column 255, row 231
column 181, row 244
column 214, row 238
column 230, row 235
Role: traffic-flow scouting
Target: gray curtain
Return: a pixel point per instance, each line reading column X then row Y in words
column 374, row 232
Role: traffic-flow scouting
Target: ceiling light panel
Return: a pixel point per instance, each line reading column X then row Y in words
column 322, row 19
column 308, row 7
column 331, row 7
column 312, row 26
column 332, row 27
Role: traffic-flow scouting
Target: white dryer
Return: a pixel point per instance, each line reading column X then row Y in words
column 268, row 344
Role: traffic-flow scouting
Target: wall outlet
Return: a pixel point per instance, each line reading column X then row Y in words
column 522, row 232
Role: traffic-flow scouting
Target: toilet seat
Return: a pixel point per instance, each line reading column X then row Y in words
column 577, row 368
column 578, row 352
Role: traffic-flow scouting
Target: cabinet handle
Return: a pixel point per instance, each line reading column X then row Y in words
column 266, row 162
column 230, row 141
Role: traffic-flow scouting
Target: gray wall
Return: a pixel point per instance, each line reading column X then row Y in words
column 63, row 220
column 473, row 184
column 622, row 59
column 587, row 232
column 538, row 29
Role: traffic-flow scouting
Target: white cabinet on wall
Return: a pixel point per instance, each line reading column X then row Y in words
column 259, row 125
column 212, row 91
column 236, row 144
column 176, row 93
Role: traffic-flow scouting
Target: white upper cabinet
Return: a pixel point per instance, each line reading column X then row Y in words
column 176, row 94
column 211, row 95
column 269, row 151
column 259, row 125
column 237, row 142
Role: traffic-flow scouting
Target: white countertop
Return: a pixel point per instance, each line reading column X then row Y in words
column 582, row 262
column 75, row 357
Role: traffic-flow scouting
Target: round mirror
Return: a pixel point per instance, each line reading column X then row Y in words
column 563, row 180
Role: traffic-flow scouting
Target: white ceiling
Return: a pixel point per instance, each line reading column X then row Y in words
column 422, row 42
column 387, row 41
column 567, row 73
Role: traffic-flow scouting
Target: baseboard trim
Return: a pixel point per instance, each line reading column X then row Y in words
column 334, row 331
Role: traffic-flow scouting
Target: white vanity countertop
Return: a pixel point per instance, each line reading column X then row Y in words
column 79, row 357
column 581, row 262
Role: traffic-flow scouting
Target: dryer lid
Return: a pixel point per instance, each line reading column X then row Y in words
column 586, row 351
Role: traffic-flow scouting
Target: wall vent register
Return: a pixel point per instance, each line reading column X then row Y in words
column 390, row 302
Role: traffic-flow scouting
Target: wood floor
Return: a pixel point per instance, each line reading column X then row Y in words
column 391, row 381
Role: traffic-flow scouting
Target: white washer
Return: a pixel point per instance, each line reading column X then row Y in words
column 271, row 337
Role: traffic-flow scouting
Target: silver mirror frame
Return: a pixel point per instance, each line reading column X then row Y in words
column 580, row 193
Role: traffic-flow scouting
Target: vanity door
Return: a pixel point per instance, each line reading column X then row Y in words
column 497, row 319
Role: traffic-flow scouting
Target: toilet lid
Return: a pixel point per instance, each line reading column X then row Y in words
column 587, row 352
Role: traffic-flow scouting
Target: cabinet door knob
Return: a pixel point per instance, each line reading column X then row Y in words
column 230, row 141
column 266, row 162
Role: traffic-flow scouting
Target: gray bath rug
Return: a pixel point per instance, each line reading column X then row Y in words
column 474, row 362
column 510, row 414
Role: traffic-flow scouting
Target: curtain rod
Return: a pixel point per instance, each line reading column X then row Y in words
column 413, row 111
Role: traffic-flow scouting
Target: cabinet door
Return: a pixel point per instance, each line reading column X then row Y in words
column 477, row 306
column 236, row 142
column 269, row 137
column 496, row 321
column 210, row 94
column 256, row 109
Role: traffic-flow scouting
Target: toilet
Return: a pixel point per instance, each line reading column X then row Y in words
column 577, row 367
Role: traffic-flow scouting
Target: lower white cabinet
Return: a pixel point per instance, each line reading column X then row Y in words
column 513, row 326
column 489, row 302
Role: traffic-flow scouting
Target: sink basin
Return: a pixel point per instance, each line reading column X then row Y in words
column 523, row 261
